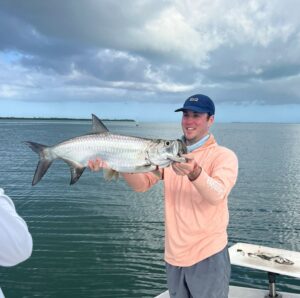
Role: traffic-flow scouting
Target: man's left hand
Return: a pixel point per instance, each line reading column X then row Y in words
column 189, row 168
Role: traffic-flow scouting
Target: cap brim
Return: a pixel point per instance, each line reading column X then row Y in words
column 192, row 108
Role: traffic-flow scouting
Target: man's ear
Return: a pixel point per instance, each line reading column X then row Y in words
column 211, row 120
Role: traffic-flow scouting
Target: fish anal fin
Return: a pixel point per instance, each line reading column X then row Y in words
column 75, row 174
column 98, row 126
column 76, row 170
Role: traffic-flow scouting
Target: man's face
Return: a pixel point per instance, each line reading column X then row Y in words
column 195, row 126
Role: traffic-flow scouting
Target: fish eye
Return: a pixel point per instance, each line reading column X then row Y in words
column 167, row 143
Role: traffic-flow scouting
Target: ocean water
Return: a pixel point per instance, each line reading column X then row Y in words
column 100, row 239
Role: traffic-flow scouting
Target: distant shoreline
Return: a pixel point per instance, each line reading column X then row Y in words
column 57, row 118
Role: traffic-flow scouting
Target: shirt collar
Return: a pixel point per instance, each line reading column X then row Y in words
column 197, row 145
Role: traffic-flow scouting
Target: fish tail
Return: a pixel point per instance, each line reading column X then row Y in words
column 44, row 162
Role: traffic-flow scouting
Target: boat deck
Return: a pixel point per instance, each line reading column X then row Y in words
column 271, row 260
column 238, row 292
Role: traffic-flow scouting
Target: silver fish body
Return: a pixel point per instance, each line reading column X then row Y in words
column 121, row 153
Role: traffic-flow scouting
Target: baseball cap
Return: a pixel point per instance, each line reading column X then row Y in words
column 198, row 103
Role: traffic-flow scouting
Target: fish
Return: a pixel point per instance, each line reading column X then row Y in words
column 122, row 153
column 274, row 258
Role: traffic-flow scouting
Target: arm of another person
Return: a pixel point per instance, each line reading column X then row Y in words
column 15, row 239
column 139, row 182
column 215, row 187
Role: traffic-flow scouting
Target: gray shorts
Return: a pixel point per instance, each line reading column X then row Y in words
column 207, row 279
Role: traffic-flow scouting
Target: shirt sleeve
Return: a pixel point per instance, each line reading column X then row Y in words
column 16, row 241
column 141, row 182
column 215, row 187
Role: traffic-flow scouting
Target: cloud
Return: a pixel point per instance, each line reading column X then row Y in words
column 92, row 50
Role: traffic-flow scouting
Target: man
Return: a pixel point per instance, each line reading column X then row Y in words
column 15, row 239
column 196, row 211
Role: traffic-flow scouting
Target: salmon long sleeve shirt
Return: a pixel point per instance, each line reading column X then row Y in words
column 196, row 212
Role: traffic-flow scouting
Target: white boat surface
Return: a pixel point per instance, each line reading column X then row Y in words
column 242, row 292
column 272, row 260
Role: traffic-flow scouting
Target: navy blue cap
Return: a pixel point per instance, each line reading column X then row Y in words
column 198, row 103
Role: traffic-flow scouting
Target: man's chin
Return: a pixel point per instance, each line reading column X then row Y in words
column 189, row 140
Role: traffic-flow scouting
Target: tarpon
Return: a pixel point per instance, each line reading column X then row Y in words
column 121, row 153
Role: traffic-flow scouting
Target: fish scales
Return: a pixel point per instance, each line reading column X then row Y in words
column 114, row 149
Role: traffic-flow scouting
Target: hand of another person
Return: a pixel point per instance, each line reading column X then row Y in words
column 189, row 168
column 97, row 164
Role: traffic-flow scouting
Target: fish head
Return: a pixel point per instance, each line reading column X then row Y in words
column 182, row 149
column 163, row 152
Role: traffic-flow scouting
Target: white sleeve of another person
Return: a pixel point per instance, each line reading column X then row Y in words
column 15, row 239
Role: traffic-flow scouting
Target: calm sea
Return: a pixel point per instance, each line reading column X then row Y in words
column 100, row 239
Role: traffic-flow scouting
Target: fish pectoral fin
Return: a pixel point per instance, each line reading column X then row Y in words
column 109, row 174
column 98, row 126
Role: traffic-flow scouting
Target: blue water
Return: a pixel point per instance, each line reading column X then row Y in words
column 100, row 239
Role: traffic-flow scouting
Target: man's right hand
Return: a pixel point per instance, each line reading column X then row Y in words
column 97, row 164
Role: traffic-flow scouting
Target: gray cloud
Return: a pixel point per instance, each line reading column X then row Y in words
column 237, row 52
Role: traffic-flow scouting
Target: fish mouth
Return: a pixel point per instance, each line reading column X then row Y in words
column 182, row 149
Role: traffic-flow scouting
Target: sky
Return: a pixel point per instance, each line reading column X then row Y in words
column 140, row 59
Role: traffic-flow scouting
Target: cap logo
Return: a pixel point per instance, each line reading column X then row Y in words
column 193, row 99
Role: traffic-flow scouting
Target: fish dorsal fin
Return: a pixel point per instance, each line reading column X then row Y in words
column 98, row 126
